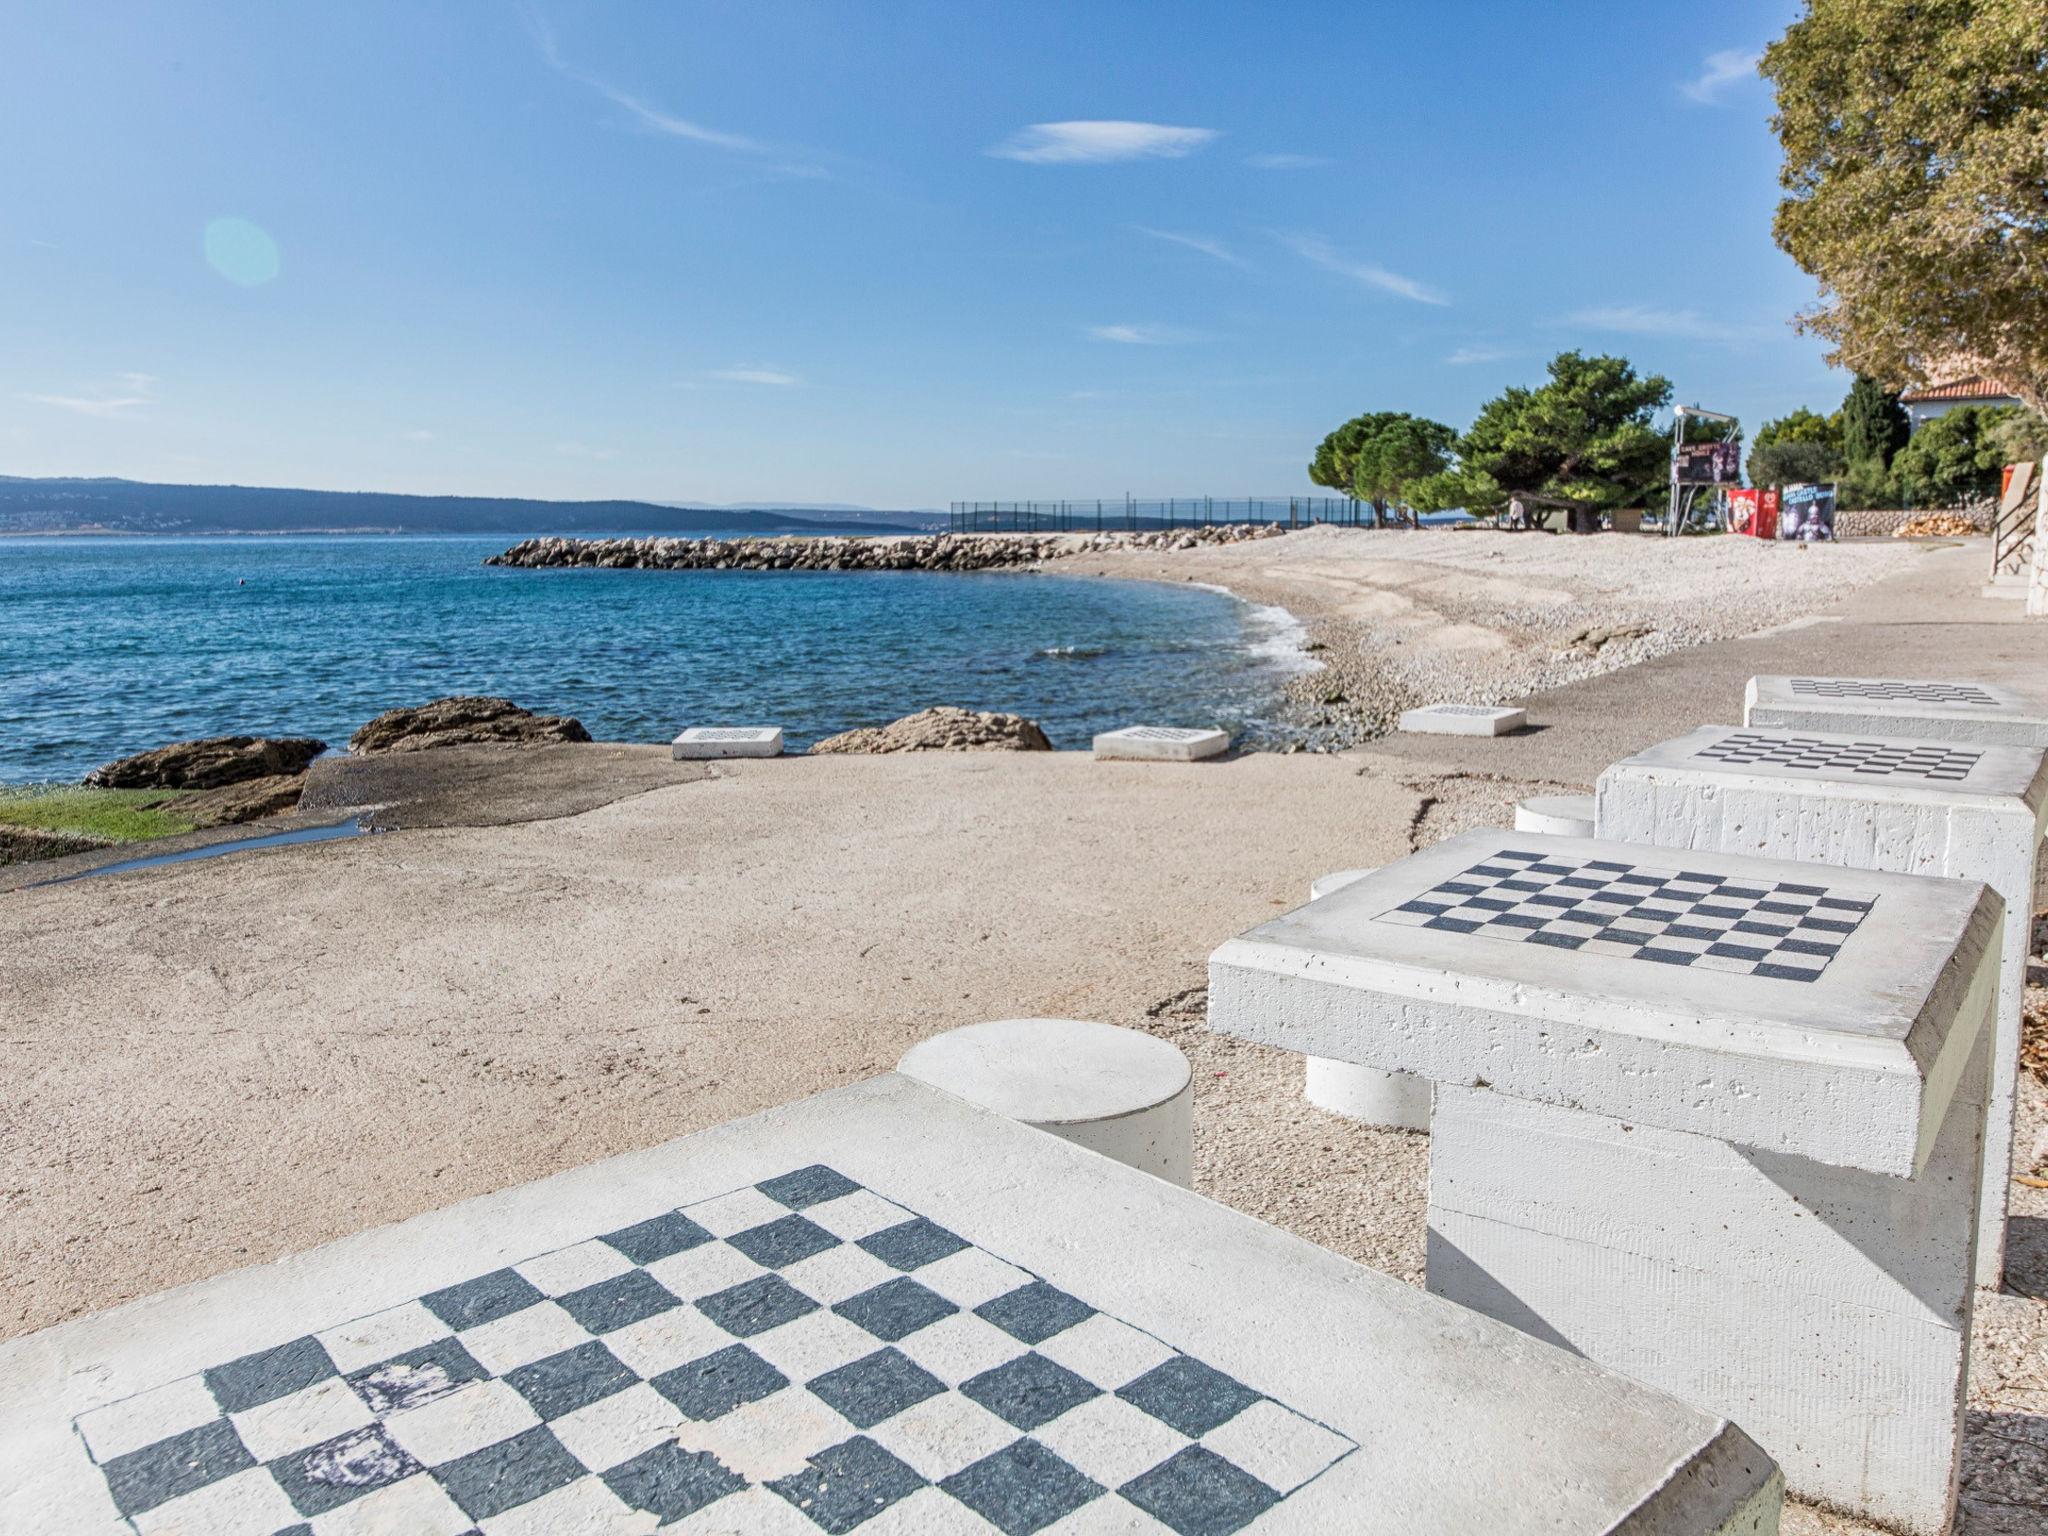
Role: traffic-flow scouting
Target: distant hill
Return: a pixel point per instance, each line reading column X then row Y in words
column 135, row 506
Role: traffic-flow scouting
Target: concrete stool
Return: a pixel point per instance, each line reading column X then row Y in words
column 702, row 741
column 1858, row 802
column 1120, row 1092
column 1713, row 1121
column 1463, row 720
column 1161, row 744
column 1395, row 1099
column 1558, row 815
column 1919, row 709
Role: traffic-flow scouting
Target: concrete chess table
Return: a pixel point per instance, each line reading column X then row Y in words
column 1915, row 708
column 1463, row 720
column 1713, row 1121
column 1917, row 807
column 1161, row 744
column 881, row 1309
column 702, row 742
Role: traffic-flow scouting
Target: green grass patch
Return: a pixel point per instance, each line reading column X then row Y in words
column 118, row 815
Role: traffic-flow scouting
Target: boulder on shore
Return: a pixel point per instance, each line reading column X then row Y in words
column 462, row 720
column 944, row 729
column 233, row 804
column 208, row 764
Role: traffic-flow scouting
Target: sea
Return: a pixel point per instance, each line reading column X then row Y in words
column 109, row 645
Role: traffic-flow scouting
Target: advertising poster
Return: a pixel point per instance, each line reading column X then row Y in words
column 1807, row 513
column 1709, row 463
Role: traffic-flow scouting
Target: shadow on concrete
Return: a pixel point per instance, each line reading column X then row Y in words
column 1455, row 1272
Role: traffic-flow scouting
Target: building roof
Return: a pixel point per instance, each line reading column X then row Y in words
column 1974, row 388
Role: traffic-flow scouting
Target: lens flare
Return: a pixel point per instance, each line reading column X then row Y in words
column 241, row 252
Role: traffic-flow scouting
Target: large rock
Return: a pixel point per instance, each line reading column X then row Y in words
column 944, row 729
column 233, row 804
column 208, row 764
column 463, row 720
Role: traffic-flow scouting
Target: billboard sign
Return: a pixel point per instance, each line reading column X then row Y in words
column 1707, row 463
column 1808, row 513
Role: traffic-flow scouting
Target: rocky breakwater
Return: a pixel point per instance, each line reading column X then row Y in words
column 937, row 552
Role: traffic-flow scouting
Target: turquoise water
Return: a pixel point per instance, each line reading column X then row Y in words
column 108, row 646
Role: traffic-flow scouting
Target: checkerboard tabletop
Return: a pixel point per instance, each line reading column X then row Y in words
column 1933, row 762
column 803, row 1354
column 1664, row 915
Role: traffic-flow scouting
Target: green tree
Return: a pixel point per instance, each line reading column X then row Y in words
column 1915, row 135
column 1874, row 424
column 1403, row 452
column 2019, row 435
column 1793, row 461
column 1953, row 458
column 1586, row 440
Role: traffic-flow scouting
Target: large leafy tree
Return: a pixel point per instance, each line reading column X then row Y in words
column 1586, row 440
column 1376, row 457
column 1915, row 135
column 1801, row 447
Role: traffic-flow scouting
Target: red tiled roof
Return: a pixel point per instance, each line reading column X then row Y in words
column 1961, row 389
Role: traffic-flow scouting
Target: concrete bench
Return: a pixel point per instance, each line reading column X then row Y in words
column 1391, row 1099
column 1120, row 1092
column 1714, row 1121
column 1463, row 720
column 879, row 1309
column 714, row 741
column 1557, row 815
column 1161, row 744
column 1917, row 807
column 1921, row 709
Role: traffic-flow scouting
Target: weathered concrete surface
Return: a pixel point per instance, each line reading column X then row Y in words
column 1963, row 708
column 705, row 743
column 1557, row 815
column 1463, row 720
column 1404, row 1414
column 1161, row 744
column 488, row 786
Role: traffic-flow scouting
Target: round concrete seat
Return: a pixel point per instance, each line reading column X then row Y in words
column 1396, row 1099
column 1119, row 1092
column 1558, row 815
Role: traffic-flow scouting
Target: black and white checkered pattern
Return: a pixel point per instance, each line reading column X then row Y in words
column 1668, row 916
column 731, row 733
column 1878, row 688
column 1163, row 733
column 800, row 1355
column 1881, row 759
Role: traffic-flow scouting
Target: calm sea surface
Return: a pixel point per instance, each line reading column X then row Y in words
column 108, row 646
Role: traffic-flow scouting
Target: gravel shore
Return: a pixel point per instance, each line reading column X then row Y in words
column 1400, row 617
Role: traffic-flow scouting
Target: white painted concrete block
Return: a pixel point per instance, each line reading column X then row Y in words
column 1120, row 1092
column 1921, row 709
column 1557, row 815
column 1831, row 1024
column 1917, row 807
column 710, row 741
column 939, row 1243
column 1161, row 744
column 1366, row 1094
column 1463, row 720
column 1827, row 1308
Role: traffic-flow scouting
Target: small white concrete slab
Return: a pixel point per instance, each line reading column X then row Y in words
column 1120, row 1092
column 1923, row 709
column 1161, row 744
column 1864, row 802
column 1556, row 815
column 711, row 741
column 1463, row 720
column 1549, row 968
column 897, row 1287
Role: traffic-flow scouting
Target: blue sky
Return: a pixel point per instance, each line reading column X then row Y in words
column 893, row 253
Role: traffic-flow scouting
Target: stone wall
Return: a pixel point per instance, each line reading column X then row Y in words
column 1878, row 524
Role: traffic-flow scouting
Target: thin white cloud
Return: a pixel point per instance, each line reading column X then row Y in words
column 1100, row 143
column 1140, row 335
column 651, row 117
column 1286, row 162
column 129, row 393
column 1464, row 357
column 774, row 376
column 1717, row 73
column 1208, row 247
column 1319, row 252
column 1649, row 320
